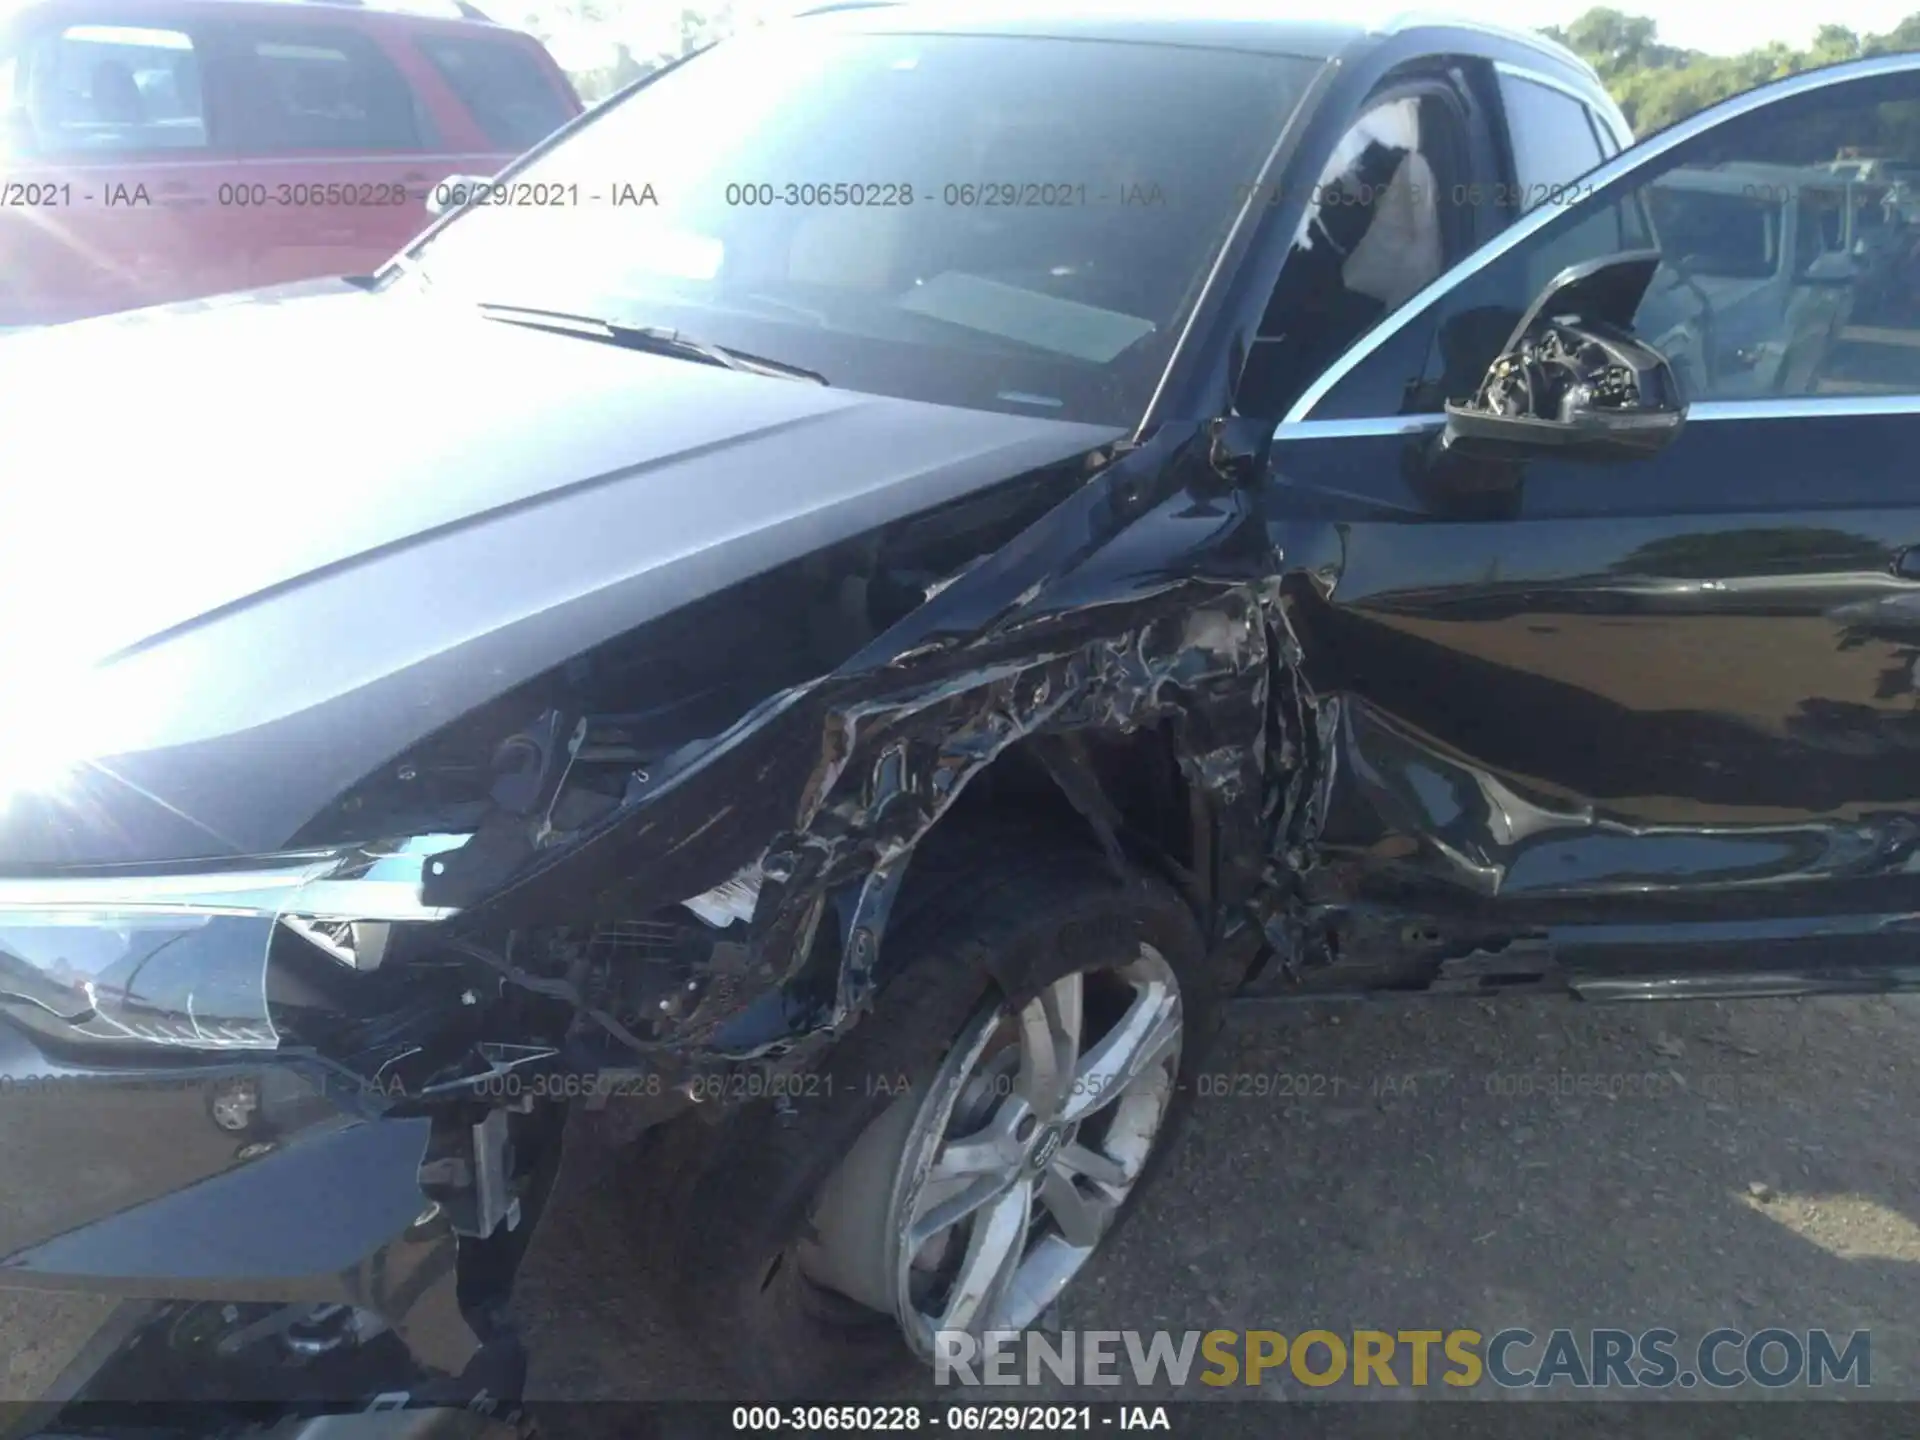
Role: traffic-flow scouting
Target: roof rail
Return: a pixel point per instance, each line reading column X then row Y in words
column 1407, row 17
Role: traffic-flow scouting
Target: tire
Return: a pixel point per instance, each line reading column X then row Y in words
column 725, row 1210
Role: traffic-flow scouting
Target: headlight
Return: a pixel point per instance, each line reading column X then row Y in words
column 179, row 957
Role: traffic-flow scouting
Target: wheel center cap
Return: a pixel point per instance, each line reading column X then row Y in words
column 1045, row 1147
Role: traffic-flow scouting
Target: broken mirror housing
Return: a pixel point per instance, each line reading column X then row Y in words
column 1573, row 379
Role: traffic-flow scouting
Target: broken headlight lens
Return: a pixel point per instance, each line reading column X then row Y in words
column 179, row 957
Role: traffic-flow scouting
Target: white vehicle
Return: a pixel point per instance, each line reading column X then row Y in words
column 1759, row 274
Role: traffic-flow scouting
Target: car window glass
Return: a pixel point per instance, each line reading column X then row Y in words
column 1819, row 227
column 965, row 219
column 1603, row 136
column 313, row 88
column 1553, row 142
column 106, row 89
column 1764, row 289
column 424, row 125
column 505, row 91
column 1374, row 233
column 1719, row 230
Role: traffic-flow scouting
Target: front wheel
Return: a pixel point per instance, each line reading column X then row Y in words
column 971, row 1203
column 975, row 1140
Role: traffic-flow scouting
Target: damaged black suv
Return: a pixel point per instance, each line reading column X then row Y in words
column 815, row 632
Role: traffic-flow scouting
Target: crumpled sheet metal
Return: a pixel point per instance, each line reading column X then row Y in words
column 1441, row 819
column 1124, row 608
column 1202, row 666
column 890, row 770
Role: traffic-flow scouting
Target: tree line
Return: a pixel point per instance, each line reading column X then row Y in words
column 1657, row 84
column 1654, row 83
column 639, row 37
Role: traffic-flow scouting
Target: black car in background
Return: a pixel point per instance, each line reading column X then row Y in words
column 817, row 640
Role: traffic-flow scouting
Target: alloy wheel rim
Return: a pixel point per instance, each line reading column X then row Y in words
column 1018, row 1156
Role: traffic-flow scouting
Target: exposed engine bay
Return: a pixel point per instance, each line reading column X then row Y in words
column 625, row 974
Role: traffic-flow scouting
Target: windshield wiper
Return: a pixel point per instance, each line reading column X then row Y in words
column 654, row 339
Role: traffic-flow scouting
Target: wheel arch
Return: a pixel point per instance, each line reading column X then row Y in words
column 1123, row 795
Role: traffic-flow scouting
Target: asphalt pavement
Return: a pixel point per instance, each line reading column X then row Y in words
column 1405, row 1165
column 1456, row 1164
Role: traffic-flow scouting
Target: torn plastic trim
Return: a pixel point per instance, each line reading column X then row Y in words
column 732, row 901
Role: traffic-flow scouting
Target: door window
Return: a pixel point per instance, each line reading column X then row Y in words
column 321, row 88
column 1603, row 135
column 1375, row 233
column 1553, row 141
column 511, row 98
column 1759, row 293
column 106, row 90
column 1820, row 228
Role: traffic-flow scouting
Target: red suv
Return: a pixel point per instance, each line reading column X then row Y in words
column 155, row 150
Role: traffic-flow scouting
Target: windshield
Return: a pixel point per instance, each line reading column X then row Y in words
column 1011, row 224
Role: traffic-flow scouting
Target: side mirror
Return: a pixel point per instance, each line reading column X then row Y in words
column 1572, row 380
column 454, row 192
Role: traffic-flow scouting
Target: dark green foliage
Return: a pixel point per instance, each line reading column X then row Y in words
column 1658, row 84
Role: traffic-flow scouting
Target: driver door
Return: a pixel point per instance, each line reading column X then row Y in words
column 1649, row 725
